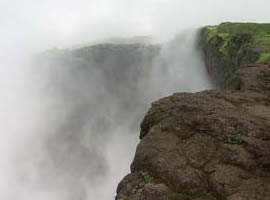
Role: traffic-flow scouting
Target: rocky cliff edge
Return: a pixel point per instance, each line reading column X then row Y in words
column 211, row 145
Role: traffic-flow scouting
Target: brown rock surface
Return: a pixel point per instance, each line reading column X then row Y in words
column 211, row 145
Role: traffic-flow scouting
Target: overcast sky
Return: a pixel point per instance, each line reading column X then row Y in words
column 30, row 26
column 50, row 23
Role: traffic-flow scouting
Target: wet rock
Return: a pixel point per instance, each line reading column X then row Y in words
column 210, row 145
column 207, row 145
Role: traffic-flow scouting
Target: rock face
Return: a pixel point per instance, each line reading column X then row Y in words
column 229, row 46
column 211, row 145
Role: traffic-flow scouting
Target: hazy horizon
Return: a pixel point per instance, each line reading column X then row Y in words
column 42, row 107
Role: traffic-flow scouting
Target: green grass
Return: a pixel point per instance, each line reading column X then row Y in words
column 250, row 41
column 210, row 32
column 264, row 58
column 252, row 28
column 226, row 37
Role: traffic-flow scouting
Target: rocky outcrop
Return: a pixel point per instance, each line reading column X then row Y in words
column 211, row 145
column 229, row 46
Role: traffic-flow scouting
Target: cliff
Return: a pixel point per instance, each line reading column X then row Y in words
column 91, row 107
column 108, row 75
column 211, row 145
column 229, row 46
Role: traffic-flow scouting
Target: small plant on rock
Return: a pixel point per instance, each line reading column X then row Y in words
column 233, row 140
column 146, row 177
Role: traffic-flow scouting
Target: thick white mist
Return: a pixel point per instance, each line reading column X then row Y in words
column 180, row 66
column 31, row 114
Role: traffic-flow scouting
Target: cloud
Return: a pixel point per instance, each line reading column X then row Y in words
column 46, row 112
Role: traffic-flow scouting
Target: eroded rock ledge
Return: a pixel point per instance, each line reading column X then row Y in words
column 211, row 145
column 230, row 46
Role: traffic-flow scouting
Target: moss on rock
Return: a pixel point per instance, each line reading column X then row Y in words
column 264, row 58
column 250, row 42
column 230, row 46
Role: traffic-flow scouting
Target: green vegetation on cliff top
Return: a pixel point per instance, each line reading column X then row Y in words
column 249, row 41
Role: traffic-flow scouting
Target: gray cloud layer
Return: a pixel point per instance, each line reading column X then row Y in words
column 33, row 138
column 63, row 22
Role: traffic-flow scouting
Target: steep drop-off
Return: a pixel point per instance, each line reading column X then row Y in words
column 229, row 46
column 93, row 99
column 211, row 145
column 90, row 96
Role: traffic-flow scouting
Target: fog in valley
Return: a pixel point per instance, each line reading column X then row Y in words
column 77, row 78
